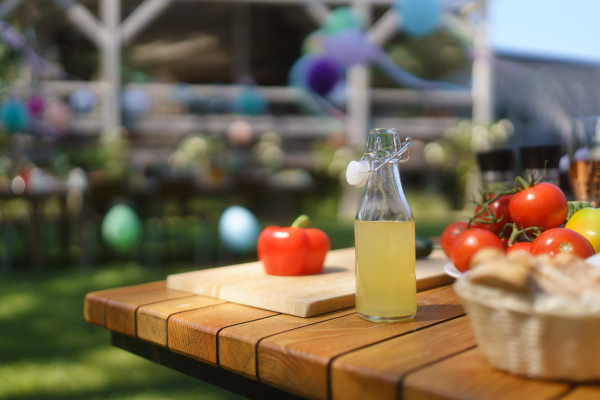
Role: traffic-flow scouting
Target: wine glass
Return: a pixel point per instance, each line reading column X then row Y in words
column 584, row 154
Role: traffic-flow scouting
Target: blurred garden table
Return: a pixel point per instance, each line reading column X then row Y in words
column 262, row 354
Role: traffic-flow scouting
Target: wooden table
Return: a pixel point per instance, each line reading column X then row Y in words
column 263, row 354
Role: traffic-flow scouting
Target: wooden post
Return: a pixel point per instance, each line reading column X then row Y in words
column 141, row 17
column 108, row 36
column 385, row 28
column 483, row 83
column 359, row 97
column 110, row 12
column 84, row 20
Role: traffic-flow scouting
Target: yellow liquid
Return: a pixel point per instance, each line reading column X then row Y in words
column 386, row 286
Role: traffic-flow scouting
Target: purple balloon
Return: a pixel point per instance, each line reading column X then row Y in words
column 322, row 74
column 348, row 47
column 35, row 104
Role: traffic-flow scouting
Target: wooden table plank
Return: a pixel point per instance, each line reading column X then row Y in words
column 469, row 376
column 194, row 333
column 238, row 344
column 305, row 353
column 121, row 310
column 152, row 319
column 94, row 302
column 377, row 371
column 584, row 392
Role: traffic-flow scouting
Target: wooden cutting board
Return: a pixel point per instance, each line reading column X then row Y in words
column 302, row 296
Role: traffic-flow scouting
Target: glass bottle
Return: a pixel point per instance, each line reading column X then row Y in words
column 384, row 232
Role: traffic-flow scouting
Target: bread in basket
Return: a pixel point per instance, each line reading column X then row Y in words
column 535, row 316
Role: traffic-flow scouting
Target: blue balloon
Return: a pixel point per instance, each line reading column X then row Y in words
column 338, row 94
column 14, row 115
column 183, row 93
column 419, row 17
column 135, row 101
column 238, row 229
column 298, row 72
column 82, row 100
column 250, row 101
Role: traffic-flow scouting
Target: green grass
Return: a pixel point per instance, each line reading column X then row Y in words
column 48, row 351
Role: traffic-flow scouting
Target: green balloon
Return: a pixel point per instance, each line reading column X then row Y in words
column 343, row 18
column 121, row 227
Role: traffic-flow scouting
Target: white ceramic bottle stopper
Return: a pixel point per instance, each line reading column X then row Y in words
column 357, row 173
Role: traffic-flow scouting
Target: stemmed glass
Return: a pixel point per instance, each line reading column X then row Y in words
column 584, row 154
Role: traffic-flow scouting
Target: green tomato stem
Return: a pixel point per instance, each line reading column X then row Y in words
column 303, row 221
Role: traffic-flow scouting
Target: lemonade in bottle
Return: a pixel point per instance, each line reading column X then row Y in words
column 386, row 286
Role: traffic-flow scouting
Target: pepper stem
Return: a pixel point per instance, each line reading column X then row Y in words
column 301, row 222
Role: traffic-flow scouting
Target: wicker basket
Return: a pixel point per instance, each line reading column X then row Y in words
column 533, row 344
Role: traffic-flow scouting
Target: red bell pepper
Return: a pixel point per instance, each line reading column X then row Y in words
column 293, row 250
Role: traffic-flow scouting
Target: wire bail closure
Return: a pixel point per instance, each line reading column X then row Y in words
column 406, row 147
column 358, row 171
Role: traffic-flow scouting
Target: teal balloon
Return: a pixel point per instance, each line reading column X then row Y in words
column 250, row 101
column 14, row 115
column 238, row 229
column 343, row 18
column 121, row 228
column 419, row 17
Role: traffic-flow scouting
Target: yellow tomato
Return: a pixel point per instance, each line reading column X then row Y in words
column 587, row 222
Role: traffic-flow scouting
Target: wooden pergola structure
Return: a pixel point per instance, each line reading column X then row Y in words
column 110, row 33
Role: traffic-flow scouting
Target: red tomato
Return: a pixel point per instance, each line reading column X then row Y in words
column 543, row 205
column 450, row 233
column 562, row 240
column 504, row 242
column 499, row 211
column 520, row 246
column 470, row 242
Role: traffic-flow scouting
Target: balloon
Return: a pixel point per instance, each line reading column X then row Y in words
column 348, row 47
column 322, row 74
column 298, row 71
column 58, row 114
column 389, row 67
column 77, row 179
column 338, row 95
column 121, row 227
column 419, row 17
column 14, row 115
column 82, row 100
column 239, row 133
column 343, row 18
column 313, row 43
column 35, row 104
column 238, row 229
column 250, row 101
column 135, row 101
column 183, row 93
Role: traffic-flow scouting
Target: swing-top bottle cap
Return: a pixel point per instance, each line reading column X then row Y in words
column 377, row 152
column 357, row 173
